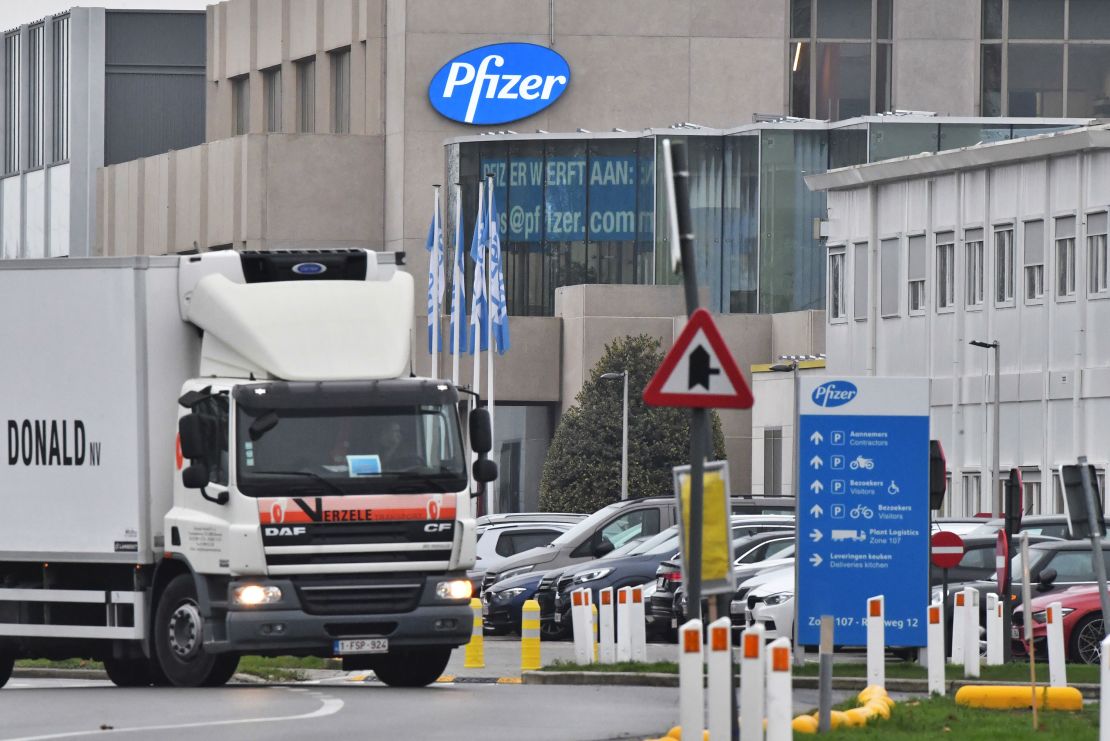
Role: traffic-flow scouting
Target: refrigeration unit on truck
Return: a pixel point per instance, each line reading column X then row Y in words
column 224, row 454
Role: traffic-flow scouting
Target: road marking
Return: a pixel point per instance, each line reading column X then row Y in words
column 329, row 706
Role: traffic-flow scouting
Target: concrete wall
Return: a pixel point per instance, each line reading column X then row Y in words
column 260, row 191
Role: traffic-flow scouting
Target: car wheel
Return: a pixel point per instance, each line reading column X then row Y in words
column 179, row 639
column 412, row 667
column 1086, row 640
column 553, row 631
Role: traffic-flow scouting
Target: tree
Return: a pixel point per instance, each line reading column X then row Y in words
column 582, row 470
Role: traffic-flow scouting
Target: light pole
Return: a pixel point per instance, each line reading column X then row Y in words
column 624, row 430
column 996, row 494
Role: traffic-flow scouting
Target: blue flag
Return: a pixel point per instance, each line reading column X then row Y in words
column 434, row 245
column 458, row 286
column 478, row 305
column 499, row 312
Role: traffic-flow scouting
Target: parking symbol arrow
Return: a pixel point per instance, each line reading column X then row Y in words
column 816, row 487
column 815, row 536
column 816, row 438
column 816, row 462
column 816, row 510
column 815, row 560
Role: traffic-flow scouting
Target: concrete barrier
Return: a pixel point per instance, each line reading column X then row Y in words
column 580, row 626
column 719, row 667
column 638, row 619
column 935, row 650
column 606, row 625
column 1054, row 624
column 624, row 624
column 1018, row 696
column 780, row 691
column 971, row 632
column 958, row 628
column 994, row 630
column 752, row 678
column 1104, row 691
column 691, row 692
column 876, row 641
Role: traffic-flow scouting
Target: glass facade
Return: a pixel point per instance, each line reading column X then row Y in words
column 586, row 209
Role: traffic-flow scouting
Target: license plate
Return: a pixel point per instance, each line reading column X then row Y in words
column 360, row 646
column 558, row 618
column 1015, row 633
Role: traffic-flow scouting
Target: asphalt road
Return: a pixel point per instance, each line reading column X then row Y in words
column 42, row 709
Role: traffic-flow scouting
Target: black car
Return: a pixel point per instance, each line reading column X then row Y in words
column 1054, row 526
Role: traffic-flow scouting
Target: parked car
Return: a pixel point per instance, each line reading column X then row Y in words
column 502, row 604
column 499, row 540
column 501, row 518
column 978, row 562
column 1082, row 620
column 771, row 602
column 1055, row 526
column 959, row 525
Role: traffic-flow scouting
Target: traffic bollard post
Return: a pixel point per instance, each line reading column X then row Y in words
column 751, row 682
column 1104, row 691
column 935, row 639
column 691, row 692
column 971, row 632
column 638, row 625
column 994, row 630
column 530, row 636
column 1054, row 624
column 624, row 624
column 780, row 699
column 608, row 652
column 958, row 629
column 475, row 657
column 719, row 668
column 580, row 626
column 876, row 641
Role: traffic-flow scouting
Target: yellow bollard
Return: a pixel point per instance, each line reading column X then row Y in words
column 530, row 636
column 476, row 648
column 597, row 632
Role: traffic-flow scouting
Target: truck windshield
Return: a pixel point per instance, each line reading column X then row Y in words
column 350, row 450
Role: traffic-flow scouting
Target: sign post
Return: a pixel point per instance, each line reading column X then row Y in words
column 864, row 486
column 946, row 551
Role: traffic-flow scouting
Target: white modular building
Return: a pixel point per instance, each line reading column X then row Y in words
column 1005, row 243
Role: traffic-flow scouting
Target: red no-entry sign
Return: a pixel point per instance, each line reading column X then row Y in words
column 946, row 549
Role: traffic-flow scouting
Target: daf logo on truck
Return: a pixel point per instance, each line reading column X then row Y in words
column 285, row 531
column 499, row 83
column 834, row 393
column 50, row 442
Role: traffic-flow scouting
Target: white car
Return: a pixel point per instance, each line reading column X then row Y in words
column 498, row 541
column 772, row 603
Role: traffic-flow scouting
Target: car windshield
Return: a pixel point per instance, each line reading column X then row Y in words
column 627, row 549
column 333, row 449
column 660, row 542
column 586, row 525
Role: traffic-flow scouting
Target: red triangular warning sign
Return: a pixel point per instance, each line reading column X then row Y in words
column 699, row 371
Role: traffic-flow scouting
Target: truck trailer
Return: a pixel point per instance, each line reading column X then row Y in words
column 228, row 453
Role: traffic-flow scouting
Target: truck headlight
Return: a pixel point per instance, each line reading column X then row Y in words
column 455, row 589
column 252, row 595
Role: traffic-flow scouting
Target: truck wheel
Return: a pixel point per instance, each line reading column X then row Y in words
column 129, row 672
column 412, row 667
column 179, row 639
column 7, row 663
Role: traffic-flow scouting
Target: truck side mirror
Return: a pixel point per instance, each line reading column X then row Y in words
column 484, row 470
column 191, row 431
column 195, row 476
column 481, row 434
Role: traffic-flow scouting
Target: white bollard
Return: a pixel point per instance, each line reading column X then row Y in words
column 752, row 677
column 780, row 700
column 719, row 665
column 876, row 641
column 958, row 629
column 971, row 632
column 638, row 628
column 605, row 616
column 1054, row 624
column 691, row 692
column 994, row 630
column 935, row 637
column 1104, row 707
column 624, row 624
column 580, row 625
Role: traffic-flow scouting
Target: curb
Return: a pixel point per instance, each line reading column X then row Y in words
column 31, row 672
column 630, row 679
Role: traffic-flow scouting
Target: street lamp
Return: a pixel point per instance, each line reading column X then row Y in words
column 996, row 493
column 624, row 430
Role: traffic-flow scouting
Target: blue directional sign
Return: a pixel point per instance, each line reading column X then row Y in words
column 863, row 506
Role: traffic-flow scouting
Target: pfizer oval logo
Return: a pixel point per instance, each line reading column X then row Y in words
column 309, row 268
column 499, row 83
column 834, row 393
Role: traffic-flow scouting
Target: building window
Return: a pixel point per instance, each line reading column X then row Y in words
column 859, row 281
column 271, row 98
column 973, row 253
column 839, row 59
column 36, row 58
column 972, row 493
column 1045, row 58
column 946, row 270
column 1065, row 257
column 306, row 95
column 1034, row 261
column 1004, row 266
column 341, row 91
column 59, row 104
column 1031, row 503
column 240, row 104
column 890, row 277
column 917, row 273
column 837, row 301
column 1097, row 276
column 11, row 102
column 772, row 461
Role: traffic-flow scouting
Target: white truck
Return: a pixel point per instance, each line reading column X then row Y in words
column 227, row 453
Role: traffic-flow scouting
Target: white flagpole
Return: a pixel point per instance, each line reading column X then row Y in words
column 479, row 264
column 458, row 295
column 434, row 270
column 489, row 328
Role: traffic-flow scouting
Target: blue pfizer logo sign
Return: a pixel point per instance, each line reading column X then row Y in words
column 499, row 83
column 834, row 393
column 309, row 268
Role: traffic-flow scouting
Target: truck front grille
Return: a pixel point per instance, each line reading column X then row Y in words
column 356, row 547
column 360, row 597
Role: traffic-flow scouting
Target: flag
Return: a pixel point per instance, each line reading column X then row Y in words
column 478, row 306
column 458, row 286
column 499, row 312
column 434, row 245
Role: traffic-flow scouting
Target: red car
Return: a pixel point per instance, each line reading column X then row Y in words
column 1082, row 623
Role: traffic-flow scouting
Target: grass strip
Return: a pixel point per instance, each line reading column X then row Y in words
column 656, row 667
